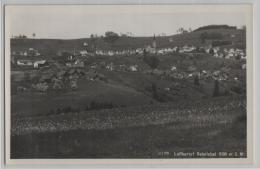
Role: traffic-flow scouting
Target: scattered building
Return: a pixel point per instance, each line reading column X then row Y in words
column 133, row 68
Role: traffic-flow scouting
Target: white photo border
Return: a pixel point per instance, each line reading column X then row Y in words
column 149, row 162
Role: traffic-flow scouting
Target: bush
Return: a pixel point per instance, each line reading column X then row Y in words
column 111, row 37
column 152, row 61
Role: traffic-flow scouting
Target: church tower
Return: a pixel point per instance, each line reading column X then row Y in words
column 154, row 42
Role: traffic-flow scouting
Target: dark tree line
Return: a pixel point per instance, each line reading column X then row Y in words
column 92, row 106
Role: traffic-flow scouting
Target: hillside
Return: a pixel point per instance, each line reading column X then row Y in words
column 52, row 46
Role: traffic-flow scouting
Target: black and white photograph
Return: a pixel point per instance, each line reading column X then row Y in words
column 128, row 81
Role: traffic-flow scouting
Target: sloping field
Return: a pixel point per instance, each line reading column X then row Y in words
column 196, row 115
column 33, row 104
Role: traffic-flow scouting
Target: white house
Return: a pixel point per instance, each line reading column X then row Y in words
column 38, row 62
column 24, row 62
column 110, row 67
column 133, row 68
column 149, row 49
column 83, row 52
column 244, row 66
column 173, row 68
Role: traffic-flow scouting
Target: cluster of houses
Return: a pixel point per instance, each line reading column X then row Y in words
column 140, row 51
column 232, row 53
column 29, row 52
column 115, row 67
column 74, row 61
column 28, row 58
column 192, row 72
column 122, row 67
column 32, row 63
column 33, row 58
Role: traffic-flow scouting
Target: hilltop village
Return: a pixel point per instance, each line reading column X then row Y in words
column 71, row 65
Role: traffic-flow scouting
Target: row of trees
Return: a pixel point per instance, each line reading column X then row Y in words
column 22, row 36
column 109, row 37
column 181, row 30
column 92, row 106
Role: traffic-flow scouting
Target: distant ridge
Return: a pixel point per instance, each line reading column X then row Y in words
column 236, row 37
column 215, row 27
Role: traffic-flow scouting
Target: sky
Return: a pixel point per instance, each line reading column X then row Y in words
column 79, row 21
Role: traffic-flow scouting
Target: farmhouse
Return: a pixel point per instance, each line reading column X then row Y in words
column 133, row 68
column 83, row 53
column 244, row 66
column 57, row 84
column 73, row 84
column 187, row 48
column 149, row 49
column 25, row 62
column 111, row 53
column 122, row 67
column 78, row 63
column 40, row 63
column 173, row 68
column 110, row 66
column 33, row 52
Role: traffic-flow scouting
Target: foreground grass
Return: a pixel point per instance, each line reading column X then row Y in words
column 135, row 132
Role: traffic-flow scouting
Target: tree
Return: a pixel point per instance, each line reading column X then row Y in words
column 203, row 37
column 93, row 41
column 123, row 35
column 180, row 30
column 211, row 51
column 244, row 27
column 27, row 77
column 111, row 37
column 154, row 91
column 151, row 60
column 196, row 80
column 177, row 49
column 216, row 89
column 163, row 34
column 129, row 34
